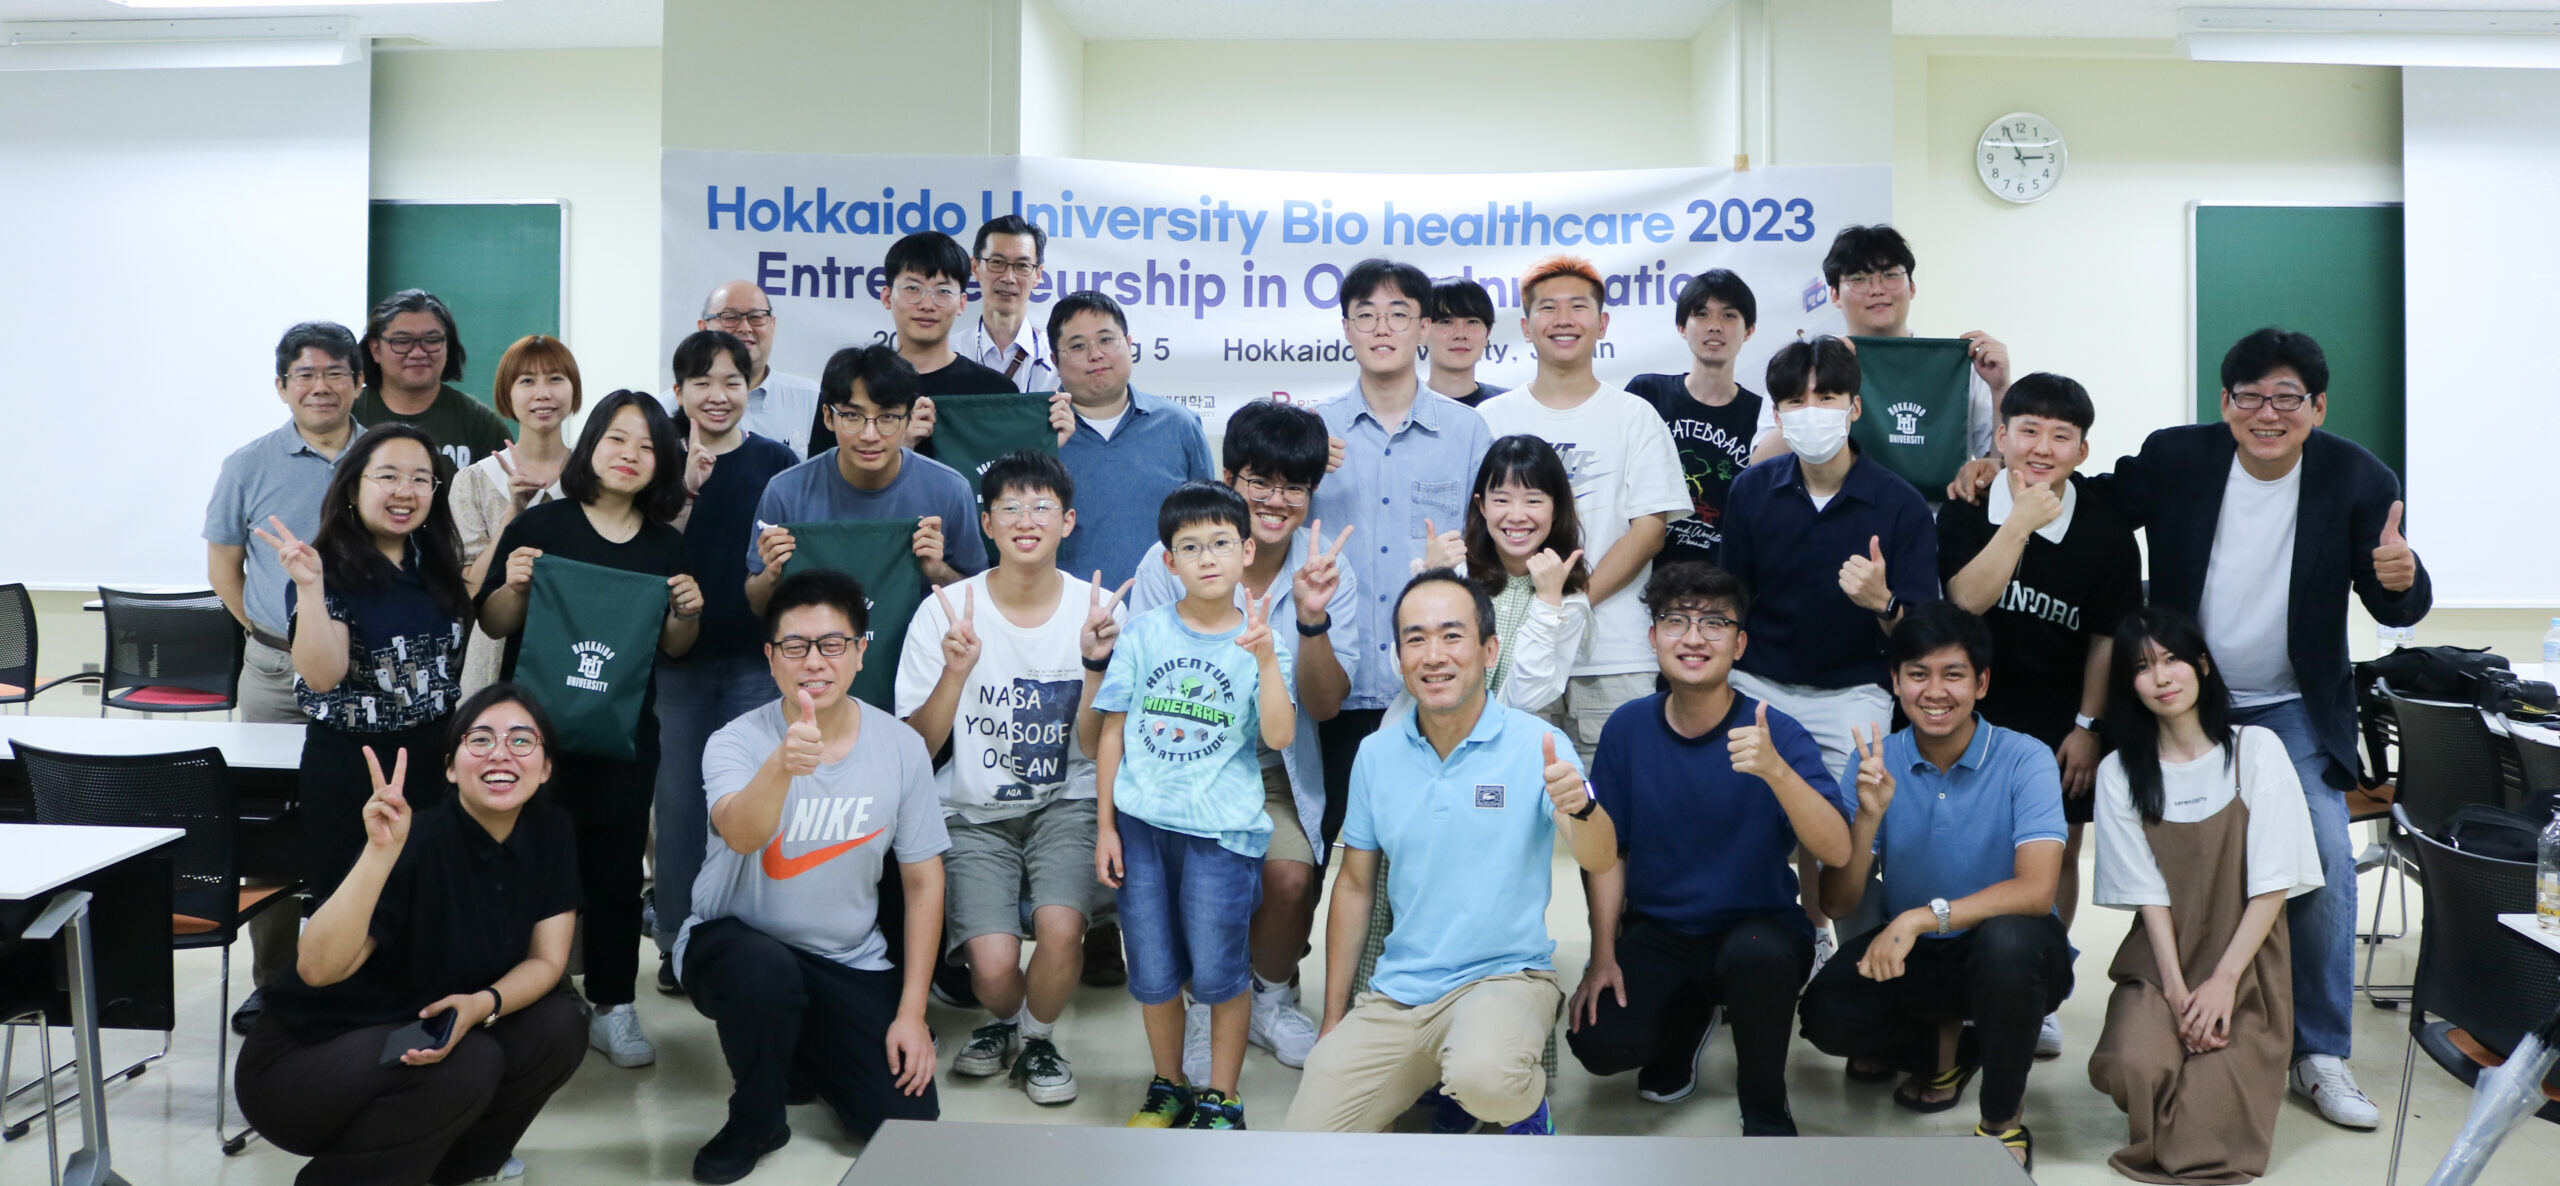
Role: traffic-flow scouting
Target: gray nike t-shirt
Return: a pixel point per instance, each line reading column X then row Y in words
column 816, row 884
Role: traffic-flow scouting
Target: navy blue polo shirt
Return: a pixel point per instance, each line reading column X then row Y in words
column 1703, row 843
column 1788, row 553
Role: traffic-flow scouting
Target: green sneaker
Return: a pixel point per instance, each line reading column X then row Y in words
column 1215, row 1109
column 1168, row 1105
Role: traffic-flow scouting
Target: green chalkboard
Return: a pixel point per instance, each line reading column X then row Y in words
column 2334, row 272
column 495, row 264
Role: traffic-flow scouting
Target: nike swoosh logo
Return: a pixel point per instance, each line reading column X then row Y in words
column 781, row 868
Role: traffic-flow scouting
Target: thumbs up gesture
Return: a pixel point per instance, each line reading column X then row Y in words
column 801, row 744
column 1862, row 578
column 1564, row 783
column 1751, row 749
column 2033, row 505
column 2393, row 563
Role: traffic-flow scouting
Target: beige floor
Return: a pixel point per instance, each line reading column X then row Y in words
column 644, row 1125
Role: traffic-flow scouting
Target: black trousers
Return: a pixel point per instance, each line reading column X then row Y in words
column 334, row 785
column 1750, row 966
column 2003, row 975
column 786, row 1016
column 362, row 1123
column 1341, row 738
column 611, row 802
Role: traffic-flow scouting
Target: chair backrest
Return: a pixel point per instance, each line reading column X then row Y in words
column 190, row 790
column 2447, row 760
column 17, row 640
column 172, row 640
column 2472, row 971
column 2539, row 759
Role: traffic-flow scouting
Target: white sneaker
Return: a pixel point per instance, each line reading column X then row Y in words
column 2325, row 1080
column 1824, row 945
column 1279, row 1027
column 2049, row 1038
column 991, row 1047
column 512, row 1170
column 1195, row 1045
column 1043, row 1073
column 616, row 1031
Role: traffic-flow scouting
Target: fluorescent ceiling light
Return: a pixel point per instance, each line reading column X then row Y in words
column 178, row 44
column 2372, row 37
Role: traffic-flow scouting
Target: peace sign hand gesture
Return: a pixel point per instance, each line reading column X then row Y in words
column 1875, row 782
column 960, row 644
column 1862, row 578
column 1547, row 574
column 386, row 814
column 1257, row 629
column 1101, row 630
column 301, row 561
column 1319, row 578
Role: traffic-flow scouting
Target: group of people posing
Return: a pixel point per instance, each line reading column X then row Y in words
column 1823, row 745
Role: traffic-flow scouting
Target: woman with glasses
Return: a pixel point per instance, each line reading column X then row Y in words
column 421, row 1033
column 377, row 608
column 537, row 387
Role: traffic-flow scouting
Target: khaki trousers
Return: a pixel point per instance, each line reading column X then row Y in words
column 1481, row 1043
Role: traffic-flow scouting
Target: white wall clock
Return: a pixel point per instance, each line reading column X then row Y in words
column 2019, row 157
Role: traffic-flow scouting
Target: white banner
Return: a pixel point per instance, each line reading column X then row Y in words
column 1229, row 276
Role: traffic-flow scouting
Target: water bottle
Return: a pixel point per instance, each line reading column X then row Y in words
column 2551, row 654
column 2546, row 882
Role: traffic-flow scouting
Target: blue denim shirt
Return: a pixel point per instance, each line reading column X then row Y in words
column 1388, row 485
column 1121, row 482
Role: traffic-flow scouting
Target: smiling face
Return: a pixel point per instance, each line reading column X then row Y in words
column 2269, row 435
column 1519, row 518
column 502, row 779
column 1699, row 652
column 1876, row 302
column 1197, row 558
column 1266, row 501
column 319, row 390
column 541, row 399
column 420, row 366
column 625, row 459
column 1007, row 271
column 1715, row 333
column 1027, row 525
column 924, row 308
column 398, row 488
column 825, row 678
column 1938, row 691
column 861, row 437
column 2041, row 448
column 1565, row 321
column 1093, row 358
column 2168, row 685
column 1384, row 329
column 1457, row 343
column 1438, row 649
column 1819, row 399
column 745, row 311
column 716, row 401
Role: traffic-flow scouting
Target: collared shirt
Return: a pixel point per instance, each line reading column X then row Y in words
column 278, row 474
column 1121, row 482
column 1804, row 630
column 1027, row 362
column 1952, row 833
column 1389, row 486
column 783, row 407
column 1470, row 846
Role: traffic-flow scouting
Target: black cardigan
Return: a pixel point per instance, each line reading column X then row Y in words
column 2173, row 489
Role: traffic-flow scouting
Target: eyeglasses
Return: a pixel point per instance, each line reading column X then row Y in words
column 1104, row 345
column 482, row 742
column 847, row 420
column 404, row 344
column 1398, row 320
column 2285, row 401
column 731, row 318
column 393, row 483
column 1013, row 267
column 1257, row 490
column 1221, row 547
column 306, row 376
column 1712, row 627
column 1043, row 512
column 1888, row 279
column 912, row 293
column 793, row 646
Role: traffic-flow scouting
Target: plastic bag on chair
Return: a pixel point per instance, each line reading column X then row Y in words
column 2507, row 1095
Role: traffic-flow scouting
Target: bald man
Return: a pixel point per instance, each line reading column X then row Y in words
column 779, row 405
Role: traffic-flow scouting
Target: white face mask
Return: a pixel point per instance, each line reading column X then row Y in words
column 1816, row 434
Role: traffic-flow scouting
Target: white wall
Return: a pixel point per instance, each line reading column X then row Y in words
column 1052, row 83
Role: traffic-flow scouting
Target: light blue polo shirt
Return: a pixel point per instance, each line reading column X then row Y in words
column 1953, row 833
column 1470, row 847
column 1390, row 486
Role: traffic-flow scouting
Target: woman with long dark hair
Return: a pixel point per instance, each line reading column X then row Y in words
column 378, row 614
column 2202, row 829
column 623, row 483
column 1524, row 545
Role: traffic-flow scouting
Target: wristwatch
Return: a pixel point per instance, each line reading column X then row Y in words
column 1590, row 803
column 1938, row 906
column 1891, row 605
column 1306, row 631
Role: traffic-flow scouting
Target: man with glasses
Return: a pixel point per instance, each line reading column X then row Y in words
column 1007, row 262
column 927, row 294
column 864, row 400
column 1129, row 448
column 412, row 355
column 284, row 475
column 1711, row 790
column 2258, row 526
column 779, row 405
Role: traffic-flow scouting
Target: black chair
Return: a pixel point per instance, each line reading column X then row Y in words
column 17, row 647
column 26, row 978
column 2449, row 760
column 2485, row 987
column 2537, row 760
column 2370, row 803
column 192, row 791
column 167, row 652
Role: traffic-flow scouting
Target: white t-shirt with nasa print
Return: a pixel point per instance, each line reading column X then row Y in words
column 1013, row 743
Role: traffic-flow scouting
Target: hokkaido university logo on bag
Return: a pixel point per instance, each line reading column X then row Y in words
column 1906, row 424
column 592, row 656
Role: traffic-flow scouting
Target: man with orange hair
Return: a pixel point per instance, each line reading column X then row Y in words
column 1627, row 482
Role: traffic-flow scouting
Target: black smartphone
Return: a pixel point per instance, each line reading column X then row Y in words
column 429, row 1034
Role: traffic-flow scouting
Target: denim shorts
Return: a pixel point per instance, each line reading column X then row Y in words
column 1186, row 906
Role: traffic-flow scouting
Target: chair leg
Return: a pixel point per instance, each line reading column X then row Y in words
column 52, row 1132
column 231, row 1143
column 2400, row 1123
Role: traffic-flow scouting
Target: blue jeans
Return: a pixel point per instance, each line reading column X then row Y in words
column 1186, row 908
column 2322, row 922
column 695, row 698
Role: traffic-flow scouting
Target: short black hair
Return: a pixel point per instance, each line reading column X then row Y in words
column 1932, row 626
column 695, row 353
column 2250, row 358
column 1694, row 580
column 328, row 337
column 930, row 255
column 1012, row 224
column 467, row 716
column 663, row 497
column 1084, row 301
column 1369, row 275
column 1451, row 576
column 1202, row 501
column 1458, row 300
column 2052, row 396
column 411, row 300
column 887, row 380
column 1823, row 361
column 1717, row 284
column 819, row 586
column 1280, row 442
column 1866, row 249
column 1025, row 471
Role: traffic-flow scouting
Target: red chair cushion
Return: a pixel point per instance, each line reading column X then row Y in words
column 159, row 697
column 2486, row 1057
column 188, row 924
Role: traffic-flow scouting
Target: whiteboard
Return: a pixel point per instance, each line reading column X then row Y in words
column 159, row 230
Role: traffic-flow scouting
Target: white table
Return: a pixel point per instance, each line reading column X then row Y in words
column 2531, row 928
column 37, row 859
column 244, row 746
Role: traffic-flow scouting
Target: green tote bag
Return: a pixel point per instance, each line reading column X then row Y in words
column 590, row 643
column 971, row 430
column 880, row 555
column 1917, row 397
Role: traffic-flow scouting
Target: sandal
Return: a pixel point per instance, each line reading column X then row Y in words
column 1875, row 1073
column 2017, row 1140
column 1951, row 1080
